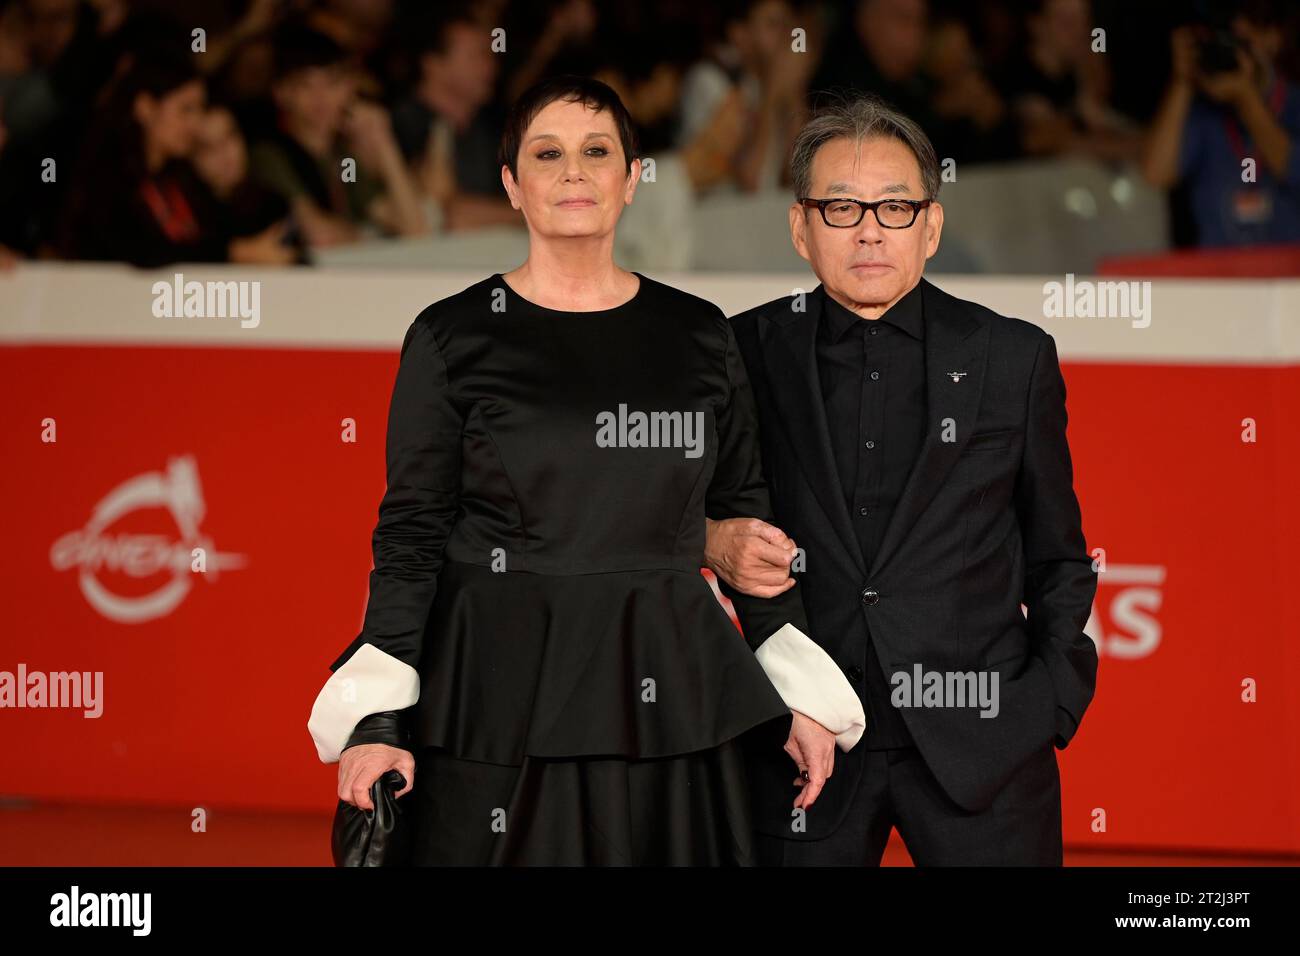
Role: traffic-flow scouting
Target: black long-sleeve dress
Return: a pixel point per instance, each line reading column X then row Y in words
column 575, row 692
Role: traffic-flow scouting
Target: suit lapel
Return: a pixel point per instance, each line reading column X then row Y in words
column 954, row 342
column 789, row 353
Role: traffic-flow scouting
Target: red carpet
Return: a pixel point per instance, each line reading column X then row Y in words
column 73, row 835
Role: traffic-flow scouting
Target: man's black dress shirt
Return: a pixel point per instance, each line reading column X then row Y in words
column 872, row 375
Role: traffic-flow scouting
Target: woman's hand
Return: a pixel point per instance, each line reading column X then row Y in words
column 362, row 765
column 812, row 747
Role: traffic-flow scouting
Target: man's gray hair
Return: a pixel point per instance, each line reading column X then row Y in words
column 861, row 117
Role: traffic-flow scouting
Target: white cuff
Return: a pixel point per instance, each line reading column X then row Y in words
column 369, row 682
column 811, row 683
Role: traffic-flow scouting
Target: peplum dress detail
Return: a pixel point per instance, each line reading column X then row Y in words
column 574, row 691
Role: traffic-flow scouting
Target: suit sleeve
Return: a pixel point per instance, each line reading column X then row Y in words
column 377, row 673
column 1059, row 580
column 806, row 677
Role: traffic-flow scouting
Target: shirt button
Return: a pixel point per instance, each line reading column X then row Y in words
column 870, row 596
column 864, row 511
column 873, row 330
column 871, row 444
column 875, row 376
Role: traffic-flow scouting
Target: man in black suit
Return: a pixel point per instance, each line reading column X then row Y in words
column 915, row 448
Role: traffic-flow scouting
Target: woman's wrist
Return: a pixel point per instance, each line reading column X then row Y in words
column 385, row 727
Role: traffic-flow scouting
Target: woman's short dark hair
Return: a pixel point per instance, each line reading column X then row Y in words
column 591, row 93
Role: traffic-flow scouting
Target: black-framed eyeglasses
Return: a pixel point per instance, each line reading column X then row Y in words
column 890, row 213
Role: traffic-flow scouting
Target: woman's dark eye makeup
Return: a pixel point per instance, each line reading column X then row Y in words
column 551, row 153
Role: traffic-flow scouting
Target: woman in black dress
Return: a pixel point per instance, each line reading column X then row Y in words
column 539, row 642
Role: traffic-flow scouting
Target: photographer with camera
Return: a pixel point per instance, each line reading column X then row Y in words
column 1228, row 126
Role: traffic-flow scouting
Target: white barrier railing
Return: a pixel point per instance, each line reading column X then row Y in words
column 1177, row 321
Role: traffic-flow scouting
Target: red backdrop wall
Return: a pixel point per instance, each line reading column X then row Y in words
column 239, row 451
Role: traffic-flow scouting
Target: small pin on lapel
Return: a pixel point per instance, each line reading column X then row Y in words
column 956, row 376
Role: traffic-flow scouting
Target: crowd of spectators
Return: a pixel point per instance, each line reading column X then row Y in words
column 258, row 131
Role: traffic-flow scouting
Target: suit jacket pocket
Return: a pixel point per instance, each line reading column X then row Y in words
column 992, row 440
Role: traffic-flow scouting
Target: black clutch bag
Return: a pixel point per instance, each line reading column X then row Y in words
column 379, row 837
